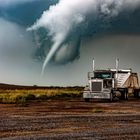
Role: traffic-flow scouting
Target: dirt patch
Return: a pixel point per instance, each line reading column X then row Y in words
column 71, row 119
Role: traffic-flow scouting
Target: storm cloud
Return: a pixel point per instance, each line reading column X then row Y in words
column 68, row 22
column 16, row 50
column 5, row 3
column 65, row 35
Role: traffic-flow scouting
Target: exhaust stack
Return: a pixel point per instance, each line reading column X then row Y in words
column 93, row 65
column 117, row 67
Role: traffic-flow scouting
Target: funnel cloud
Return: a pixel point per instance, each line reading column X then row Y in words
column 60, row 38
column 81, row 19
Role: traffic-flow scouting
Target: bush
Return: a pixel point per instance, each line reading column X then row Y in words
column 30, row 97
column 42, row 97
column 21, row 100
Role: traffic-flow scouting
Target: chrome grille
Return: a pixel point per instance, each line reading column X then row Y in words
column 96, row 86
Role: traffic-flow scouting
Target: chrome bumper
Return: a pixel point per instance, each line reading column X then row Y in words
column 95, row 95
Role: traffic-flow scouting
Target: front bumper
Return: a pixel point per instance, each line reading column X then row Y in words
column 97, row 95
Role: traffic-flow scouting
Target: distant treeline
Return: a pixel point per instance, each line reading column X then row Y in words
column 8, row 86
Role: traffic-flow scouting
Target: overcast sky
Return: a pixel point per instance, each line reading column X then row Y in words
column 60, row 38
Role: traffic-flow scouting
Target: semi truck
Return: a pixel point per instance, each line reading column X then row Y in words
column 111, row 83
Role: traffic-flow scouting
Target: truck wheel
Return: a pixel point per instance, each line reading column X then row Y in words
column 111, row 97
column 137, row 94
column 124, row 95
column 87, row 99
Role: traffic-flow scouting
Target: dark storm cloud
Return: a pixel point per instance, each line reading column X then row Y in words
column 67, row 22
column 65, row 25
column 24, row 12
column 78, row 19
column 7, row 3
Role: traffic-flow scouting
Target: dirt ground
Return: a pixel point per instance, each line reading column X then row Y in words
column 71, row 119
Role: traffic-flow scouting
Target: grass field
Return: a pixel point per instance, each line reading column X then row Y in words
column 22, row 96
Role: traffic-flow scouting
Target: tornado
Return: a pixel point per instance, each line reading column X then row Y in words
column 68, row 20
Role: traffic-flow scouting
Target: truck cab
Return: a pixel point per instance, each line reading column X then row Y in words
column 106, row 84
column 100, row 84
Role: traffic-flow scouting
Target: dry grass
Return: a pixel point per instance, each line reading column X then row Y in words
column 23, row 96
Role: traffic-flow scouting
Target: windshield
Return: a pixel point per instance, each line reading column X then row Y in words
column 102, row 75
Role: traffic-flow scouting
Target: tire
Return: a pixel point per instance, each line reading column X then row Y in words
column 111, row 97
column 137, row 93
column 87, row 99
column 124, row 95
